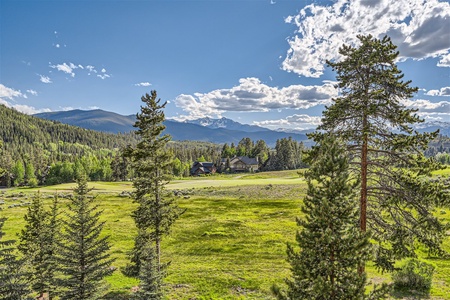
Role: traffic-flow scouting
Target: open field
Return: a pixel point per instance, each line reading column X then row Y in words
column 229, row 244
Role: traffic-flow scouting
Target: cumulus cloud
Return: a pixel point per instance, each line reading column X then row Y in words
column 143, row 84
column 44, row 79
column 420, row 29
column 252, row 95
column 445, row 91
column 445, row 61
column 297, row 122
column 426, row 107
column 8, row 94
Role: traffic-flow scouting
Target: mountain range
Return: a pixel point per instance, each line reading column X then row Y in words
column 206, row 129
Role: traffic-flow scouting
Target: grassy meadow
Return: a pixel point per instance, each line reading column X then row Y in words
column 229, row 244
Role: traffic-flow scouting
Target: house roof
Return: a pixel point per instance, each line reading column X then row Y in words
column 246, row 160
column 204, row 164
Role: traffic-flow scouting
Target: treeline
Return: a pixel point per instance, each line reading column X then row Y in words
column 287, row 154
column 42, row 152
column 440, row 149
column 36, row 152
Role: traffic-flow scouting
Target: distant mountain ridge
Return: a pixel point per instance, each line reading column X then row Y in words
column 226, row 124
column 106, row 121
column 96, row 119
column 205, row 129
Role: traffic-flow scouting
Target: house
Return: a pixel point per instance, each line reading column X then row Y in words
column 203, row 168
column 244, row 164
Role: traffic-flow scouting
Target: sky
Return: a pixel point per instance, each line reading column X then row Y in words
column 259, row 62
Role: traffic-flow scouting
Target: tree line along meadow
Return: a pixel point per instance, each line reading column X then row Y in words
column 371, row 198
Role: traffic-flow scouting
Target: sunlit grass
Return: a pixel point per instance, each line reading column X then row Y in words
column 229, row 244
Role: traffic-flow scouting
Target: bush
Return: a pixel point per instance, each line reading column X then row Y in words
column 414, row 275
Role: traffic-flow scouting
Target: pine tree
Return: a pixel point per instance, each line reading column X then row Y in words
column 149, row 275
column 151, row 162
column 83, row 257
column 37, row 244
column 13, row 274
column 396, row 196
column 331, row 245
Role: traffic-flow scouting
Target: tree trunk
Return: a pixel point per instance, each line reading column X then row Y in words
column 363, row 200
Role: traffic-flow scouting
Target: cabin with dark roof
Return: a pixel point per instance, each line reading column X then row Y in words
column 244, row 164
column 203, row 168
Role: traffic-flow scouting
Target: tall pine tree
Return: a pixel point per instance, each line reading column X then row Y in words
column 151, row 162
column 83, row 257
column 14, row 284
column 331, row 245
column 150, row 287
column 38, row 243
column 396, row 198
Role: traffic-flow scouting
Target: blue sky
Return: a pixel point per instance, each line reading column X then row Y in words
column 255, row 61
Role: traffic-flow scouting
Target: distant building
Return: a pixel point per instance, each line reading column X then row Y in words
column 203, row 168
column 244, row 164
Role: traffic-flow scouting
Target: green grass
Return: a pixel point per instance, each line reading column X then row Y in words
column 229, row 244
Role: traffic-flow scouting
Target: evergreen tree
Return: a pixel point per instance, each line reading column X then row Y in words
column 119, row 166
column 331, row 245
column 83, row 257
column 396, row 196
column 13, row 275
column 149, row 275
column 37, row 244
column 151, row 161
column 2, row 167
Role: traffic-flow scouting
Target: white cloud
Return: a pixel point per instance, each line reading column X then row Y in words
column 418, row 27
column 297, row 122
column 445, row 91
column 32, row 92
column 7, row 94
column 251, row 95
column 104, row 76
column 44, row 79
column 426, row 106
column 445, row 61
column 30, row 110
column 69, row 68
column 432, row 93
column 91, row 69
column 143, row 84
column 68, row 108
column 66, row 68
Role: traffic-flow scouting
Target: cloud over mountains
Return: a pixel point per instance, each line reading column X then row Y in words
column 251, row 95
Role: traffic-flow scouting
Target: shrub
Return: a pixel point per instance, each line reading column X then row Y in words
column 414, row 275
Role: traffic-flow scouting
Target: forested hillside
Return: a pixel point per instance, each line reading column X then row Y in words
column 38, row 151
column 31, row 145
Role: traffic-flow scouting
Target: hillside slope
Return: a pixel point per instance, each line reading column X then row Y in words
column 23, row 134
